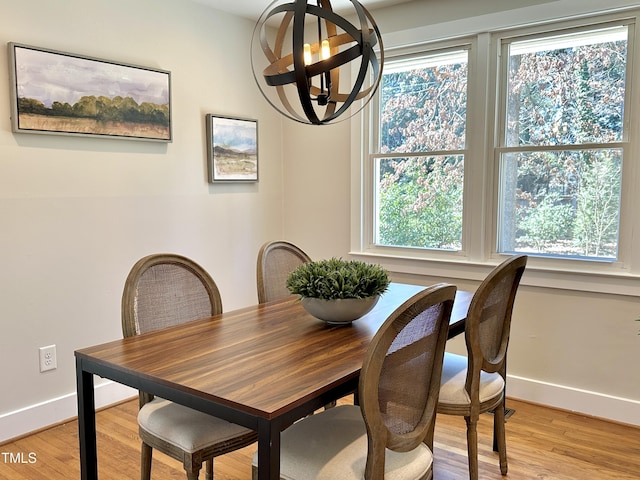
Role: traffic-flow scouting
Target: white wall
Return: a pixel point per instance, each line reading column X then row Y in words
column 574, row 350
column 317, row 183
column 76, row 213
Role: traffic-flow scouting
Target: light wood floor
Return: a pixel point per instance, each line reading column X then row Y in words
column 542, row 443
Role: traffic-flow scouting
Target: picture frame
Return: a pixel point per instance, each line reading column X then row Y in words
column 63, row 93
column 232, row 149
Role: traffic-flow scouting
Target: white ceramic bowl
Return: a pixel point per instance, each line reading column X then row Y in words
column 341, row 311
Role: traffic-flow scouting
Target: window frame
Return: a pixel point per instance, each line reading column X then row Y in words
column 485, row 119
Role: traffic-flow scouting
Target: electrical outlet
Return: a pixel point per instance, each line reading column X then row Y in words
column 48, row 360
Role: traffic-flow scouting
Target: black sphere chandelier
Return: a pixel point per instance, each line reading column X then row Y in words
column 298, row 69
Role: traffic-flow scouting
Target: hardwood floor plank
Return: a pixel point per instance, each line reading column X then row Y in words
column 542, row 443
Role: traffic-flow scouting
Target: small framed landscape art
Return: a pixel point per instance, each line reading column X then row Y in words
column 232, row 149
column 67, row 94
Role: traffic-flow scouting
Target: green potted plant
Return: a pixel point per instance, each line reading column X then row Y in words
column 338, row 291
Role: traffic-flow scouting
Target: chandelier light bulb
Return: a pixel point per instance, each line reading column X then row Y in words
column 326, row 50
column 307, row 54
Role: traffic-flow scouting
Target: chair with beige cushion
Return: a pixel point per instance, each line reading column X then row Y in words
column 164, row 290
column 276, row 260
column 390, row 434
column 475, row 383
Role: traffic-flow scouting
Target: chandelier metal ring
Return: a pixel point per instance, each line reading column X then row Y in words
column 292, row 73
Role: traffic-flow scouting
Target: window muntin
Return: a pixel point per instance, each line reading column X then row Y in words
column 561, row 167
column 419, row 162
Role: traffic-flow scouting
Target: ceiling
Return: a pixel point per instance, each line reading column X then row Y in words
column 253, row 8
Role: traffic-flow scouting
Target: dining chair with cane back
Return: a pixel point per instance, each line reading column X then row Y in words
column 165, row 290
column 390, row 433
column 276, row 260
column 475, row 383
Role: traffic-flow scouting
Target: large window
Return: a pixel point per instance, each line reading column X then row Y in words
column 419, row 162
column 563, row 144
column 509, row 142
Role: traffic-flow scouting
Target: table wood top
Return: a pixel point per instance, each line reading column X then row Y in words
column 263, row 359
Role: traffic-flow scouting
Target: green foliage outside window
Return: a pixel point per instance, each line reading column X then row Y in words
column 421, row 202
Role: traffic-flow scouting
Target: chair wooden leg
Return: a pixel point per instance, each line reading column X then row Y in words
column 500, row 437
column 472, row 447
column 145, row 463
column 191, row 475
column 192, row 468
column 208, row 469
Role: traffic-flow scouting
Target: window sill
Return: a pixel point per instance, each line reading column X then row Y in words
column 536, row 275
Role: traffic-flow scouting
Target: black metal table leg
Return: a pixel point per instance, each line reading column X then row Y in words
column 86, row 423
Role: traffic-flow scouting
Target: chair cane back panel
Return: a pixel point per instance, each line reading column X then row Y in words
column 276, row 260
column 163, row 290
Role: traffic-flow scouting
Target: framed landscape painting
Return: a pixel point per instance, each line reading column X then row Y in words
column 66, row 94
column 232, row 146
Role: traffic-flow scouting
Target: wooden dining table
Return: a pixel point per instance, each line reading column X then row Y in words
column 263, row 367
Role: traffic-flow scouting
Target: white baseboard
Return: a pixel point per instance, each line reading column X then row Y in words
column 594, row 404
column 35, row 417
